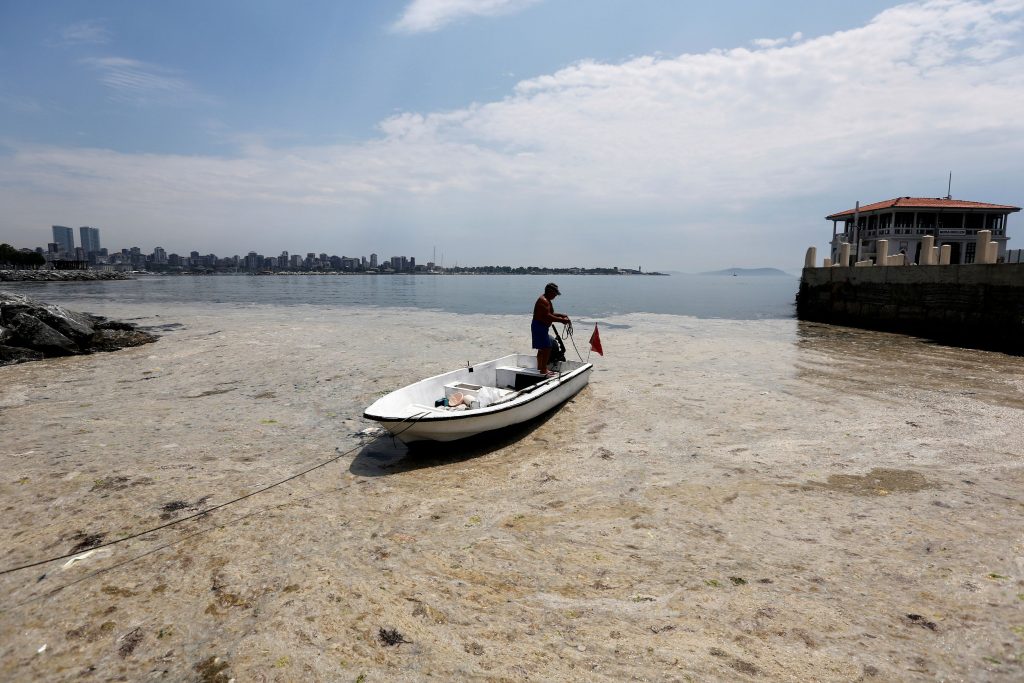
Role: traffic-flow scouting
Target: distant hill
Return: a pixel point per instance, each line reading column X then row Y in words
column 756, row 272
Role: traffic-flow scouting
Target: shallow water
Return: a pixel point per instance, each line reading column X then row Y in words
column 727, row 500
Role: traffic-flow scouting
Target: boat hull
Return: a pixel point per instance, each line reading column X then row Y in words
column 429, row 425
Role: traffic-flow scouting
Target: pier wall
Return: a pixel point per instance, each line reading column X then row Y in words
column 974, row 305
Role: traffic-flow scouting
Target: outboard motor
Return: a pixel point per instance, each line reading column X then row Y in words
column 557, row 350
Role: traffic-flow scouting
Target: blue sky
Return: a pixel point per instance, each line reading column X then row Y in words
column 672, row 134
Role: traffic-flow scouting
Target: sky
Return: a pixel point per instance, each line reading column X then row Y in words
column 664, row 134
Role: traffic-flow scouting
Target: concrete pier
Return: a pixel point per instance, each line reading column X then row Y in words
column 975, row 305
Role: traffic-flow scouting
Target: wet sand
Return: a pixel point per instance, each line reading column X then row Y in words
column 726, row 501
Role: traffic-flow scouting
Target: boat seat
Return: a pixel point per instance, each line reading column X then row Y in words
column 515, row 377
column 419, row 406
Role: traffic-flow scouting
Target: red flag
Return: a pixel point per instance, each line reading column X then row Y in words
column 595, row 342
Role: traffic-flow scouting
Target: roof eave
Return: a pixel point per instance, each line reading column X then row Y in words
column 937, row 209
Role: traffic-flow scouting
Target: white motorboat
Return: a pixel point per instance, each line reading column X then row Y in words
column 477, row 399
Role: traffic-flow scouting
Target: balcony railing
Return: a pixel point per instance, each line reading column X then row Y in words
column 905, row 230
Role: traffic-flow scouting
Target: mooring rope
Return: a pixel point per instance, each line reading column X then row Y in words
column 415, row 419
column 129, row 560
column 208, row 510
column 567, row 331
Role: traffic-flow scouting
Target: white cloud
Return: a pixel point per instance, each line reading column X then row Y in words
column 130, row 80
column 758, row 143
column 92, row 32
column 769, row 42
column 777, row 42
column 430, row 15
column 752, row 123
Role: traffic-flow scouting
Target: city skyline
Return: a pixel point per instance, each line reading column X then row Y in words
column 127, row 258
column 63, row 237
column 708, row 135
column 63, row 248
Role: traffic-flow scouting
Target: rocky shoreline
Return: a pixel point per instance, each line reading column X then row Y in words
column 60, row 275
column 31, row 330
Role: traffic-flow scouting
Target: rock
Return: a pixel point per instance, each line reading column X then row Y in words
column 31, row 330
column 75, row 326
column 104, row 324
column 60, row 275
column 78, row 327
column 112, row 340
column 10, row 355
column 10, row 299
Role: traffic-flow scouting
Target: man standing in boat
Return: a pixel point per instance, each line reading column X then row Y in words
column 543, row 315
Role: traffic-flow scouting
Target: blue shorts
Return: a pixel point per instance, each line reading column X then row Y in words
column 539, row 330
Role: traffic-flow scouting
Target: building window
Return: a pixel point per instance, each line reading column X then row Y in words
column 969, row 252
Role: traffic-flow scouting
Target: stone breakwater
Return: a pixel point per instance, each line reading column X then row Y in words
column 59, row 275
column 31, row 330
column 974, row 305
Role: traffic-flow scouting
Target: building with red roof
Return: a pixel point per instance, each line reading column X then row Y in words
column 903, row 221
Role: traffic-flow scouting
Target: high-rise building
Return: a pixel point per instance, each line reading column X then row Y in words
column 65, row 239
column 373, row 260
column 90, row 239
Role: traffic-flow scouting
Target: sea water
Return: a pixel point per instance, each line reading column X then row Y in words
column 592, row 296
column 853, row 477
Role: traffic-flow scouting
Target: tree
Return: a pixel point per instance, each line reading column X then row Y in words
column 9, row 255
